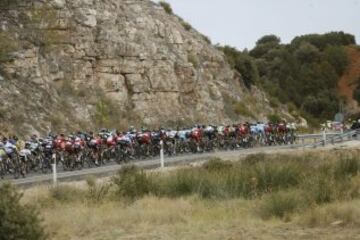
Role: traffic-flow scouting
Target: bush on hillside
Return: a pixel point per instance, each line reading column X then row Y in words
column 186, row 25
column 167, row 7
column 274, row 118
column 242, row 63
column 7, row 45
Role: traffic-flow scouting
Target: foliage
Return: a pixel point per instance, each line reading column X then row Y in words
column 337, row 57
column 187, row 26
column 194, row 60
column 281, row 204
column 132, row 182
column 234, row 108
column 18, row 221
column 7, row 44
column 307, row 53
column 305, row 72
column 167, row 7
column 274, row 118
column 256, row 176
column 241, row 109
column 206, row 39
column 40, row 27
column 107, row 113
column 243, row 63
column 264, row 45
column 321, row 41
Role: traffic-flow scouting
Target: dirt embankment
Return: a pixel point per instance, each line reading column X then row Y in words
column 348, row 81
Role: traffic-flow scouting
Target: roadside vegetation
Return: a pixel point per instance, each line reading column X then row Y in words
column 18, row 221
column 167, row 7
column 293, row 194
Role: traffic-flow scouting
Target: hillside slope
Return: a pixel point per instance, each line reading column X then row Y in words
column 348, row 83
column 85, row 63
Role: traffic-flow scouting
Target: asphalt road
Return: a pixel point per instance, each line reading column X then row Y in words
column 112, row 168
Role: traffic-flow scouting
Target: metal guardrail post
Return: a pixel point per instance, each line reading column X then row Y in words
column 162, row 162
column 54, row 170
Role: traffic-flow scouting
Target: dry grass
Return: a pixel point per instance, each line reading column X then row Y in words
column 182, row 218
column 196, row 217
column 335, row 214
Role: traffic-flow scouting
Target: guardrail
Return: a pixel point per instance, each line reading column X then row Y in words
column 337, row 138
column 317, row 135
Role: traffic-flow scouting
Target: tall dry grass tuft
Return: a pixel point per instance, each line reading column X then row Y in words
column 67, row 194
column 335, row 214
column 97, row 192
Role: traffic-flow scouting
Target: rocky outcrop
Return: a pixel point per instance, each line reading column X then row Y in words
column 86, row 63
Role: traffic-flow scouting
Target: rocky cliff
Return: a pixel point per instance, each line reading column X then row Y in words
column 87, row 63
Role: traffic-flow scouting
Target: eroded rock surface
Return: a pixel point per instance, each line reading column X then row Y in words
column 81, row 63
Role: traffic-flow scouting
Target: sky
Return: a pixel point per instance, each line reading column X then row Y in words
column 241, row 23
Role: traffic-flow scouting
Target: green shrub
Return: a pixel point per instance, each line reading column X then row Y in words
column 186, row 26
column 274, row 118
column 243, row 63
column 7, row 45
column 281, row 204
column 241, row 109
column 275, row 175
column 18, row 221
column 274, row 102
column 167, row 7
column 183, row 183
column 107, row 112
column 194, row 60
column 132, row 182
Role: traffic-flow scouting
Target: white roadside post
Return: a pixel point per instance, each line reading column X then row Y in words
column 54, row 172
column 162, row 163
column 324, row 136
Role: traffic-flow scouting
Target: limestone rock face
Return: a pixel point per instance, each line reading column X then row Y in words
column 86, row 63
